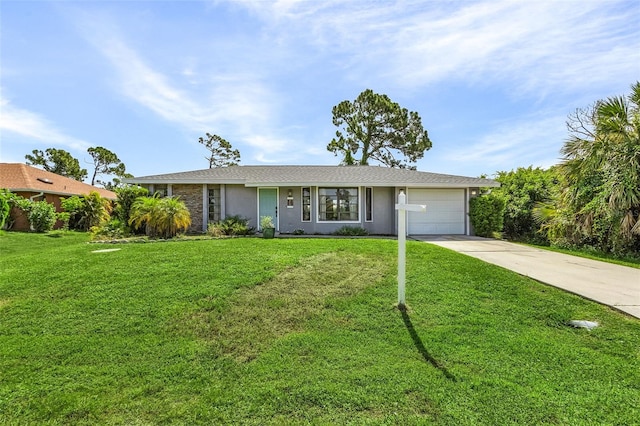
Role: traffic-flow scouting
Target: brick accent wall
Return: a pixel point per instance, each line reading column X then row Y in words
column 191, row 195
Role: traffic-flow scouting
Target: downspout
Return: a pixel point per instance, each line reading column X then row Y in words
column 36, row 196
column 31, row 199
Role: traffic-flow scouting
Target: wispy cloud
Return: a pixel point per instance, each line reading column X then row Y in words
column 530, row 141
column 236, row 105
column 34, row 126
column 537, row 46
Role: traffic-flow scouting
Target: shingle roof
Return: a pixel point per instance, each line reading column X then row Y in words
column 316, row 176
column 18, row 177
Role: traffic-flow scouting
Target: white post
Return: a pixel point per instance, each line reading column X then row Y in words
column 402, row 243
column 402, row 208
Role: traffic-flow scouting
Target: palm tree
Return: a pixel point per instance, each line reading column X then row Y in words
column 162, row 217
column 172, row 216
column 144, row 212
column 602, row 169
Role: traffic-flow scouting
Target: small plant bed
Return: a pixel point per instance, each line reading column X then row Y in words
column 298, row 331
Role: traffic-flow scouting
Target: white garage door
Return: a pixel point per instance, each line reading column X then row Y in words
column 445, row 212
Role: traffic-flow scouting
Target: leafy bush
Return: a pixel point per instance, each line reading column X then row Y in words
column 351, row 231
column 486, row 213
column 95, row 211
column 5, row 206
column 127, row 195
column 231, row 225
column 64, row 217
column 523, row 189
column 72, row 206
column 42, row 216
column 115, row 228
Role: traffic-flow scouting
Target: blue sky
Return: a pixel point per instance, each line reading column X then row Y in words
column 492, row 80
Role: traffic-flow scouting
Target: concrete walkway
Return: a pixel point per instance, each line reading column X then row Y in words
column 606, row 283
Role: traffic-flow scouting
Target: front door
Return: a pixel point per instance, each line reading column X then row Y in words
column 268, row 204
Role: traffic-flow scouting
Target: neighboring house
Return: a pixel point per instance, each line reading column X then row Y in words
column 321, row 199
column 37, row 184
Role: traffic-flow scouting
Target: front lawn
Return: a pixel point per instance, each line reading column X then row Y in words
column 297, row 331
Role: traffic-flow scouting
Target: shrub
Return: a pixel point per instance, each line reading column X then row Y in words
column 231, row 225
column 72, row 206
column 64, row 217
column 161, row 217
column 5, row 206
column 127, row 195
column 95, row 211
column 115, row 228
column 486, row 214
column 214, row 230
column 42, row 216
column 351, row 231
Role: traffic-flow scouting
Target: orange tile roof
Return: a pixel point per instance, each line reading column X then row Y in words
column 20, row 177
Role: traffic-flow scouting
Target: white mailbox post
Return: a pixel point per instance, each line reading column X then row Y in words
column 402, row 208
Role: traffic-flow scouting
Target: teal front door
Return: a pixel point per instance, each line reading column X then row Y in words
column 268, row 204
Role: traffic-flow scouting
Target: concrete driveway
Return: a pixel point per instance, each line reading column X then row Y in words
column 606, row 283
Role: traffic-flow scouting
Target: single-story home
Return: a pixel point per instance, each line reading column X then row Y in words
column 37, row 185
column 321, row 199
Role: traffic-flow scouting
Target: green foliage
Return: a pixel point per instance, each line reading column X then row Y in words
column 522, row 190
column 73, row 207
column 114, row 228
column 221, row 153
column 105, row 162
column 486, row 213
column 351, row 231
column 127, row 195
column 42, row 216
column 266, row 222
column 599, row 205
column 230, row 226
column 5, row 206
column 95, row 211
column 376, row 128
column 57, row 161
column 161, row 217
column 64, row 217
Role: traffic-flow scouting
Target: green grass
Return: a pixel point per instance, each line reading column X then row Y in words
column 297, row 331
column 632, row 262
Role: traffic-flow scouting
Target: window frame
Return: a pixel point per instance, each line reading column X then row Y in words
column 218, row 204
column 357, row 204
column 368, row 204
column 303, row 204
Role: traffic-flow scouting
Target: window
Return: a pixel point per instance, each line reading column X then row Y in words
column 368, row 204
column 214, row 204
column 306, row 204
column 161, row 190
column 339, row 204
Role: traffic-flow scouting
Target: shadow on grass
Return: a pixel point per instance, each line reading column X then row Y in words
column 421, row 349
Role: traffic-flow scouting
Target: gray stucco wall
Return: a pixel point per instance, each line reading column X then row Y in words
column 242, row 201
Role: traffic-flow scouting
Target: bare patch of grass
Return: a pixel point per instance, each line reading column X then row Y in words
column 259, row 315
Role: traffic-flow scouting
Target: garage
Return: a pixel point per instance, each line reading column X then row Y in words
column 445, row 211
